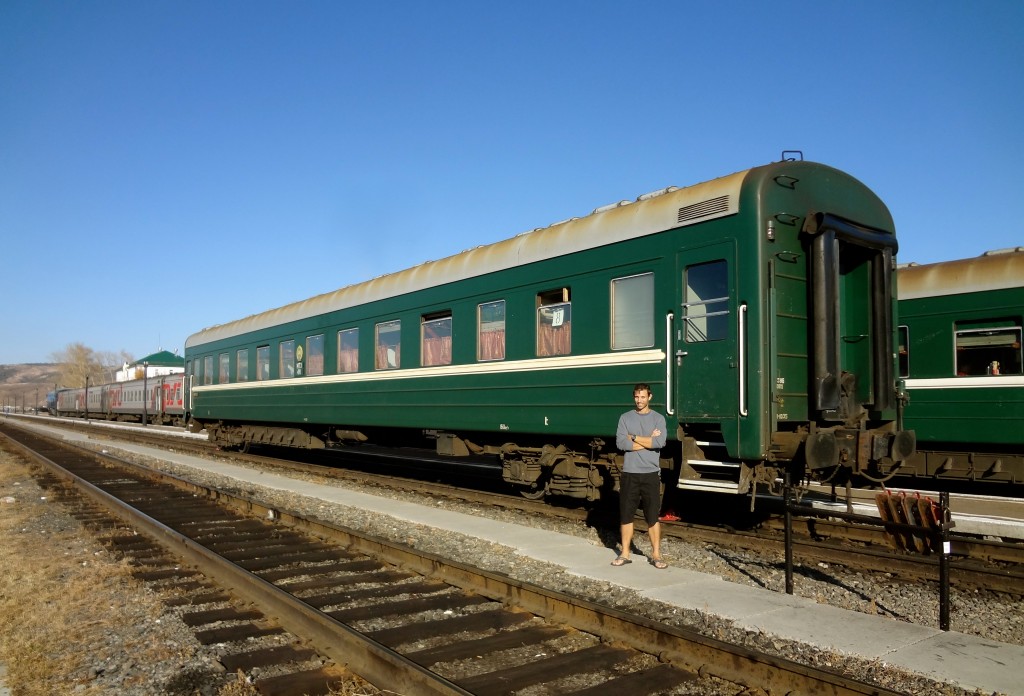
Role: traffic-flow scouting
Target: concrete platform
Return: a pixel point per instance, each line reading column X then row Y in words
column 968, row 661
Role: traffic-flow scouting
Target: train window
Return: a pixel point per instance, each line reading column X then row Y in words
column 242, row 365
column 633, row 312
column 554, row 323
column 315, row 355
column 706, row 302
column 903, row 350
column 992, row 351
column 348, row 350
column 224, row 367
column 262, row 363
column 436, row 339
column 208, row 369
column 388, row 345
column 286, row 366
column 490, row 322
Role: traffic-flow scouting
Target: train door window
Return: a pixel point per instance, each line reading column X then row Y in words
column 988, row 351
column 224, row 367
column 706, row 302
column 436, row 339
column 262, row 363
column 242, row 365
column 490, row 322
column 388, row 345
column 632, row 305
column 208, row 369
column 314, row 355
column 554, row 323
column 286, row 366
column 903, row 350
column 348, row 350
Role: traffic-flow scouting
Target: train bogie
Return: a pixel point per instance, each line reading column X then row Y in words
column 759, row 307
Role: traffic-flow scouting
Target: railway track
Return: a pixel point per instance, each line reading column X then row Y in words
column 406, row 621
column 979, row 563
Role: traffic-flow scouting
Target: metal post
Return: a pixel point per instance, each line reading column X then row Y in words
column 145, row 393
column 787, row 491
column 944, row 519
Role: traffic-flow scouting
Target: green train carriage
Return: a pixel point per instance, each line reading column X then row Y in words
column 961, row 354
column 759, row 306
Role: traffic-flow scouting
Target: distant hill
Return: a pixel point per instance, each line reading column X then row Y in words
column 23, row 384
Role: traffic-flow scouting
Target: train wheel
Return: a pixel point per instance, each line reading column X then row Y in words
column 530, row 493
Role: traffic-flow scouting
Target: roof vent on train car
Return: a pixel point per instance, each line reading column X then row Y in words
column 610, row 206
column 1007, row 250
column 712, row 206
column 659, row 192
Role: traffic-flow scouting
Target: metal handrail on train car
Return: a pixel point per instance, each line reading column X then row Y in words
column 741, row 318
column 669, row 386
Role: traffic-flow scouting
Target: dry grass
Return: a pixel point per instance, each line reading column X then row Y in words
column 64, row 602
column 61, row 598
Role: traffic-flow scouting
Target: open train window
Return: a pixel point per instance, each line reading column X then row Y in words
column 988, row 351
column 436, row 339
column 348, row 350
column 262, row 363
column 388, row 345
column 706, row 302
column 903, row 350
column 242, row 365
column 208, row 369
column 554, row 323
column 223, row 368
column 315, row 355
column 490, row 323
column 632, row 305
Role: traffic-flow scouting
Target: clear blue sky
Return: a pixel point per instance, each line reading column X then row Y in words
column 167, row 166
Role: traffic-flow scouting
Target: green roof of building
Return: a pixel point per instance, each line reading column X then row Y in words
column 164, row 358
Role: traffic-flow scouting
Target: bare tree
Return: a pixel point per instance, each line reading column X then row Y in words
column 77, row 362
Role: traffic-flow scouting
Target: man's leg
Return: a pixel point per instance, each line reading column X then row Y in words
column 654, row 531
column 627, row 539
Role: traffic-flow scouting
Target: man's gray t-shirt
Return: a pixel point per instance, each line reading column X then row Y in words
column 642, row 461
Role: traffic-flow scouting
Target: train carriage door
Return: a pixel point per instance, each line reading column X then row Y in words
column 707, row 351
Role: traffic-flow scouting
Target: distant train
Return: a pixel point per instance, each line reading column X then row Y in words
column 960, row 351
column 759, row 307
column 159, row 400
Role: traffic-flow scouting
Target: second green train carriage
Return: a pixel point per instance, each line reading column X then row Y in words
column 961, row 354
column 759, row 307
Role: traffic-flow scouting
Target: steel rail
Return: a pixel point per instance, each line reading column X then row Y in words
column 704, row 655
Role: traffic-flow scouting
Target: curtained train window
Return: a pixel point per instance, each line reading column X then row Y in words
column 224, row 367
column 388, row 345
column 436, row 339
column 490, row 321
column 554, row 323
column 348, row 351
column 262, row 363
column 242, row 365
column 314, row 355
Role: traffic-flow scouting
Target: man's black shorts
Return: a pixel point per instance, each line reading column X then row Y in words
column 635, row 489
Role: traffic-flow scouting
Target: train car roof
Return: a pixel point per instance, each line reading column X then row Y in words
column 650, row 213
column 993, row 270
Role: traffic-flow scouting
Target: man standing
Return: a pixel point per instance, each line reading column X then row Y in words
column 641, row 435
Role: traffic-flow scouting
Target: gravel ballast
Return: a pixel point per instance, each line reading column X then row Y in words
column 985, row 614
